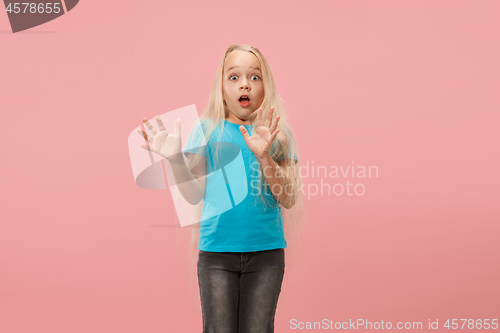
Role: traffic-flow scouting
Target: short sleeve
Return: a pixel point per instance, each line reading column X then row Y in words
column 196, row 143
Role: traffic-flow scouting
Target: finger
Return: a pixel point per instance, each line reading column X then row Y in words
column 273, row 136
column 269, row 117
column 161, row 126
column 177, row 128
column 244, row 132
column 146, row 147
column 145, row 135
column 259, row 117
column 275, row 124
column 149, row 126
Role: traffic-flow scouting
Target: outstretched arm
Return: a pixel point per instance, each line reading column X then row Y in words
column 190, row 179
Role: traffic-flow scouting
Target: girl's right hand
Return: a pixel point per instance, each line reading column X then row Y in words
column 167, row 145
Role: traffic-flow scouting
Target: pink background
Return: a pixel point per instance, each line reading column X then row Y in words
column 409, row 86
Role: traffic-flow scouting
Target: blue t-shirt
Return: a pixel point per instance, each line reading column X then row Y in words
column 234, row 218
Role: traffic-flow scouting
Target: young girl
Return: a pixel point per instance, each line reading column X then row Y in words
column 241, row 236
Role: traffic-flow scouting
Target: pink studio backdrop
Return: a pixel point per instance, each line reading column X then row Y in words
column 410, row 87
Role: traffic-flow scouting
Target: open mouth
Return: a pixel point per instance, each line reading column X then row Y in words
column 244, row 101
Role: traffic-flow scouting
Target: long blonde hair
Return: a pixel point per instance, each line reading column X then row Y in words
column 284, row 146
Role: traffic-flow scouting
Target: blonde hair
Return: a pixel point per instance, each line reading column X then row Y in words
column 283, row 147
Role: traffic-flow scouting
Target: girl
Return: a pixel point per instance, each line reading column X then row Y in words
column 241, row 236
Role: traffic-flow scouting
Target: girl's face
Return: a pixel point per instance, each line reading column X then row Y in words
column 242, row 76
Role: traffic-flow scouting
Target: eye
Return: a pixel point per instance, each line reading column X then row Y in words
column 230, row 78
column 258, row 77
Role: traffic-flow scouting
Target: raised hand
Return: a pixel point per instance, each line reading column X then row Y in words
column 167, row 145
column 260, row 143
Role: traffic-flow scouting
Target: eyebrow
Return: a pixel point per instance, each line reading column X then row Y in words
column 257, row 68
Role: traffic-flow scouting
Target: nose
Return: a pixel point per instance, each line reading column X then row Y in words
column 244, row 84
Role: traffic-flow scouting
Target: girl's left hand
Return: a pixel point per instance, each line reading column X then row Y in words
column 260, row 143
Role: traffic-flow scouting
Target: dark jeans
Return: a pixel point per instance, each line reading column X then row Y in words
column 239, row 290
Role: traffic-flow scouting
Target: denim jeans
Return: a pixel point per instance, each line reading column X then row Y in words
column 239, row 290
